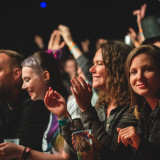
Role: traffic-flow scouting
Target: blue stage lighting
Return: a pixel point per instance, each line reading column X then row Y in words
column 43, row 4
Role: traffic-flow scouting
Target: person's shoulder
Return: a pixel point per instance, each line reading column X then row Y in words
column 28, row 104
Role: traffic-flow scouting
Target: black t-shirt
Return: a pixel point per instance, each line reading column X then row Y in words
column 27, row 122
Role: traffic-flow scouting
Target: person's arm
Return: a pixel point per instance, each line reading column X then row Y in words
column 66, row 132
column 57, row 105
column 134, row 37
column 65, row 33
column 140, row 13
column 35, row 155
column 11, row 150
column 81, row 59
column 89, row 117
column 39, row 41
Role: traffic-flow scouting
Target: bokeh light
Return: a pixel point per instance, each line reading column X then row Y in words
column 43, row 4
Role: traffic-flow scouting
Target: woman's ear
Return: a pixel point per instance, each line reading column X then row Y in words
column 17, row 73
column 46, row 76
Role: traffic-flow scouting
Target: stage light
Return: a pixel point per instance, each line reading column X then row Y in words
column 43, row 4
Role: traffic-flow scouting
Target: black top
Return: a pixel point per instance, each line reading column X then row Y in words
column 149, row 129
column 27, row 122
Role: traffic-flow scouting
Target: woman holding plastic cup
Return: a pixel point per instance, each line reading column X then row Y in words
column 109, row 79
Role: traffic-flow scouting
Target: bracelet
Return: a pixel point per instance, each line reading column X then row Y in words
column 26, row 153
column 63, row 122
column 72, row 46
column 140, row 30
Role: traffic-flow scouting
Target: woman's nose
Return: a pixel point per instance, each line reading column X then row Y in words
column 92, row 69
column 24, row 86
column 139, row 76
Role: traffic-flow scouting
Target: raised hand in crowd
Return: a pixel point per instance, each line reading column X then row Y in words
column 138, row 38
column 66, row 34
column 67, row 37
column 55, row 41
column 39, row 41
column 133, row 36
column 140, row 13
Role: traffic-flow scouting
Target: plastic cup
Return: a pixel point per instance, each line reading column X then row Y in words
column 83, row 145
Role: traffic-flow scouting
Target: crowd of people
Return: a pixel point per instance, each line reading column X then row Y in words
column 114, row 92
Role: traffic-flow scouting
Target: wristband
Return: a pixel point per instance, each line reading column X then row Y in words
column 140, row 30
column 26, row 153
column 72, row 46
column 63, row 121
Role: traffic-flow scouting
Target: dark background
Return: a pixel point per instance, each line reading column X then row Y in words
column 110, row 19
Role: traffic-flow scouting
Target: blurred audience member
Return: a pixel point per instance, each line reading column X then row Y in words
column 151, row 29
column 39, row 42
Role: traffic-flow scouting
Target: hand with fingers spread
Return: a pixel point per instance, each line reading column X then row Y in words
column 66, row 34
column 55, row 41
column 10, row 150
column 55, row 103
column 129, row 136
column 82, row 92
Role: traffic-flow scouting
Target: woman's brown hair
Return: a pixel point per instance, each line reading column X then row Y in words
column 114, row 56
column 154, row 52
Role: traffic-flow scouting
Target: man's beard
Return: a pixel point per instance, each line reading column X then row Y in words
column 5, row 93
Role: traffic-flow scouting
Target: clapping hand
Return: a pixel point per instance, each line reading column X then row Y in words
column 82, row 92
column 55, row 103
